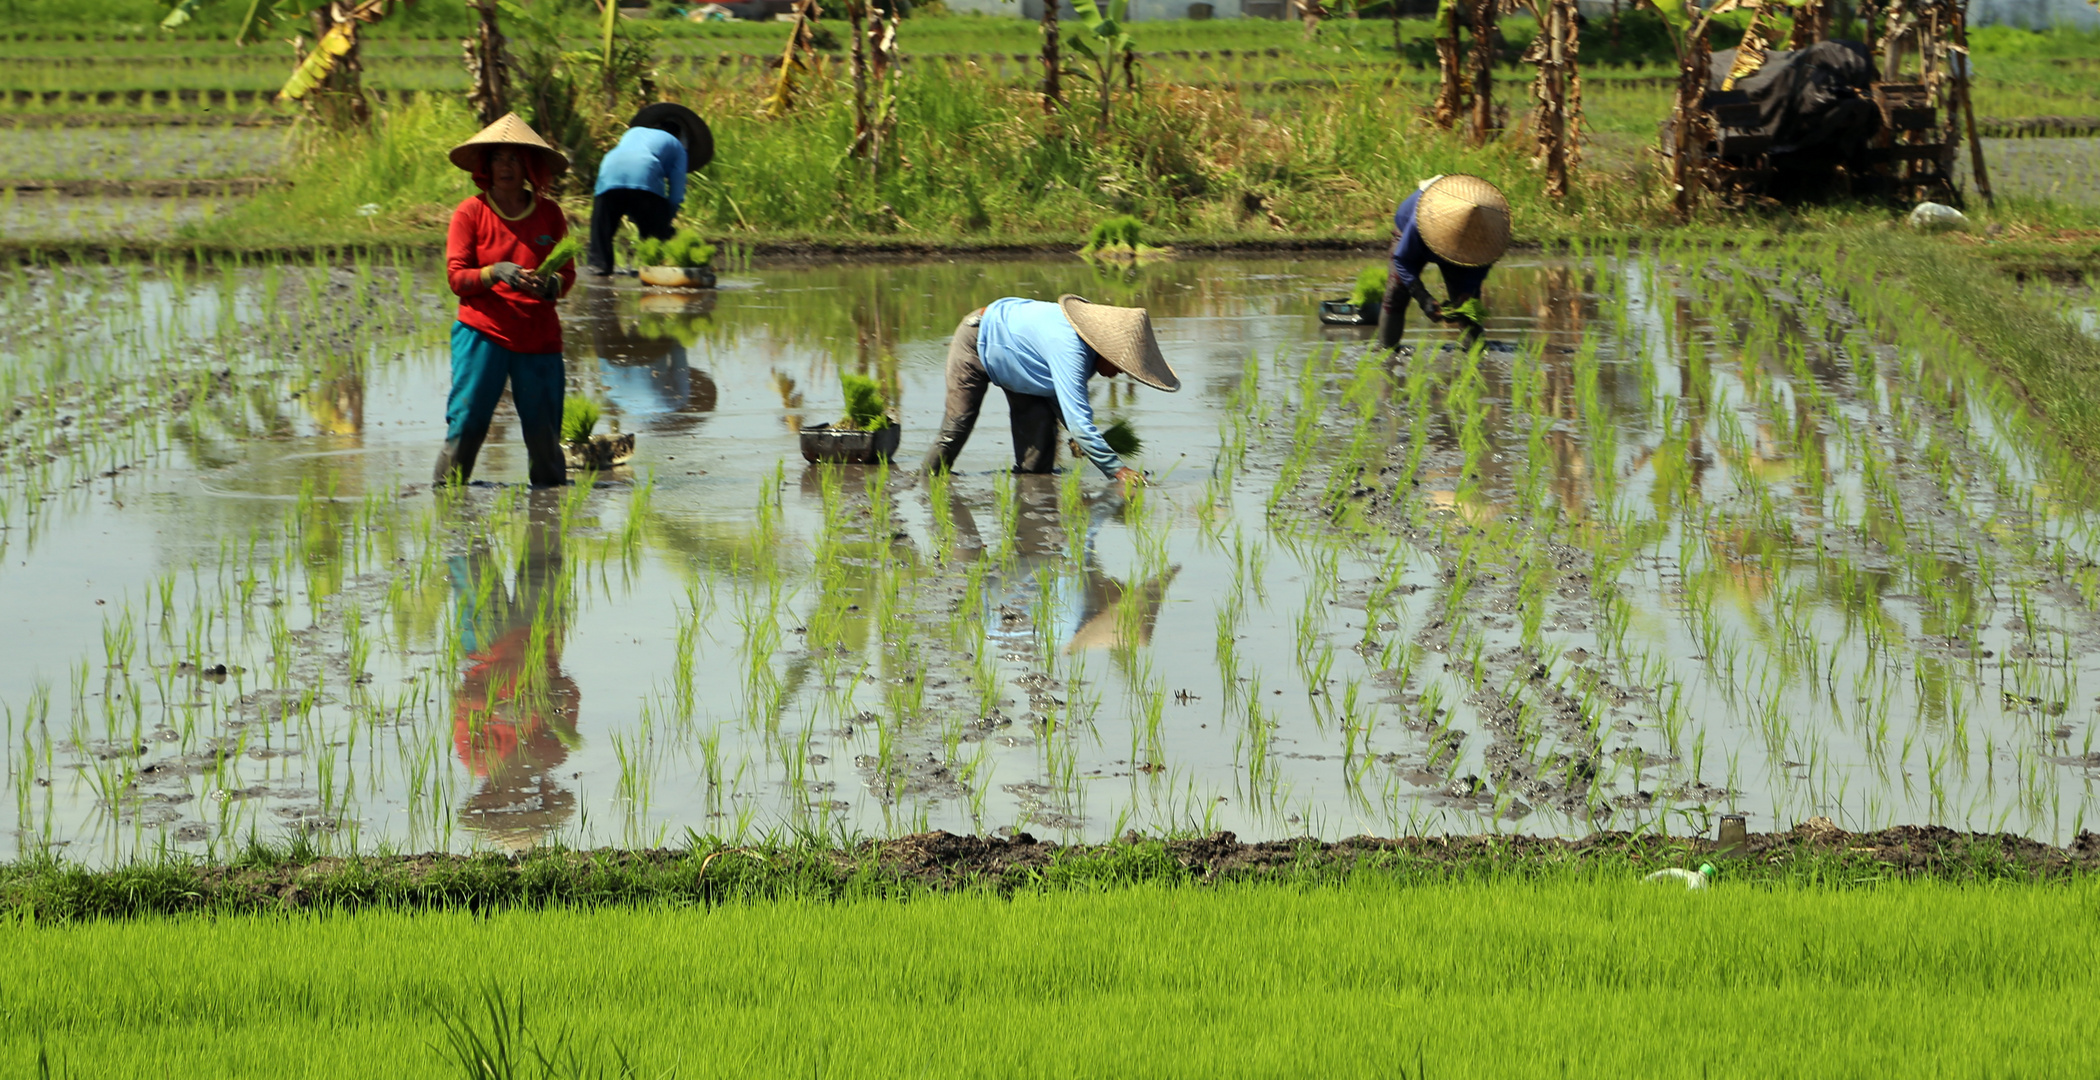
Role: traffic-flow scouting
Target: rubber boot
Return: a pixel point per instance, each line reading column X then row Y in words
column 455, row 463
column 547, row 467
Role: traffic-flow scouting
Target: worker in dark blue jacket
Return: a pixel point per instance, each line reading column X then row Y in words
column 643, row 179
column 1458, row 222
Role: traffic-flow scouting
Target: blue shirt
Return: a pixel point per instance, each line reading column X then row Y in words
column 1029, row 347
column 1411, row 253
column 645, row 159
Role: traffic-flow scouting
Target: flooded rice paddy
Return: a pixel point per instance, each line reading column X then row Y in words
column 2056, row 170
column 118, row 152
column 50, row 215
column 1696, row 533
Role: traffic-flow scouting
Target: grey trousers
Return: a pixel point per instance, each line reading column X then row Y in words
column 1035, row 419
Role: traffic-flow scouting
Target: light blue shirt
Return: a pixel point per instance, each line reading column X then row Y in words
column 1029, row 347
column 645, row 159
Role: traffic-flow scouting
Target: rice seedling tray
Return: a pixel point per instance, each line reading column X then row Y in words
column 1344, row 313
column 678, row 277
column 599, row 451
column 822, row 442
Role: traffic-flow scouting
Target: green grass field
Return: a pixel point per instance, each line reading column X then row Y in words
column 1576, row 976
column 1245, row 131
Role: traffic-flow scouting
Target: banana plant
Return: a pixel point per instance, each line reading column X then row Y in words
column 1107, row 47
column 335, row 47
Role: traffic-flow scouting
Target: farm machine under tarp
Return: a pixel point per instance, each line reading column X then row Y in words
column 1823, row 118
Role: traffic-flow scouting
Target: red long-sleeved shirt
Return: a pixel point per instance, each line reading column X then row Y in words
column 479, row 237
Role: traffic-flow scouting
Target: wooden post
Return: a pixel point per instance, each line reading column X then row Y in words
column 1487, row 38
column 882, row 62
column 1689, row 128
column 1960, row 63
column 856, row 17
column 1053, row 63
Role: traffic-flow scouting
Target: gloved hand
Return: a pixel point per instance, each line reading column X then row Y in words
column 1427, row 302
column 509, row 273
column 546, row 286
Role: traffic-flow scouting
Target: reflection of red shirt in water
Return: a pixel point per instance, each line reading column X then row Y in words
column 480, row 236
column 494, row 727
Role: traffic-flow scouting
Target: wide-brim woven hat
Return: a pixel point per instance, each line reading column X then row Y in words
column 1464, row 220
column 699, row 139
column 508, row 131
column 1123, row 336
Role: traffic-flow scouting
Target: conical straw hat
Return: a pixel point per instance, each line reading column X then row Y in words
column 1123, row 336
column 1464, row 220
column 699, row 140
column 508, row 131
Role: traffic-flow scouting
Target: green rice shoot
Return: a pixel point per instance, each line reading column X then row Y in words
column 1369, row 290
column 1122, row 438
column 1525, row 976
column 1467, row 309
column 866, row 408
column 686, row 247
column 579, row 417
column 1121, row 231
column 562, row 254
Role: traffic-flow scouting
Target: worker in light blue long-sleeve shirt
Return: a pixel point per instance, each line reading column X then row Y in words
column 645, row 159
column 643, row 178
column 1043, row 355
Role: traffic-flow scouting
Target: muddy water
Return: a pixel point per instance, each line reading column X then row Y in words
column 48, row 215
column 1688, row 537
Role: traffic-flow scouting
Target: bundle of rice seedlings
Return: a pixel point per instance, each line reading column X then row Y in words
column 686, row 247
column 1468, row 309
column 1122, row 438
column 579, row 417
column 1369, row 290
column 1121, row 231
column 866, row 408
column 564, row 252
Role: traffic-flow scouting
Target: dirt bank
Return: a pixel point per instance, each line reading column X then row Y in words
column 1815, row 853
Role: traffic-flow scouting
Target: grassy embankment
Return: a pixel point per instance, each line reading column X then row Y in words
column 1568, row 975
column 1312, row 144
column 984, row 169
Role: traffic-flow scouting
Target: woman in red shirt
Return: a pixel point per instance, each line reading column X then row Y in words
column 507, row 329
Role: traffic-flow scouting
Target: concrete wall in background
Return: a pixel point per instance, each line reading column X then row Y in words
column 2034, row 14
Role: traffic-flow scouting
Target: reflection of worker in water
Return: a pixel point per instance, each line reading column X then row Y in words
column 1458, row 222
column 642, row 179
column 514, row 718
column 507, row 329
column 1087, row 605
column 645, row 367
column 1042, row 355
column 338, row 405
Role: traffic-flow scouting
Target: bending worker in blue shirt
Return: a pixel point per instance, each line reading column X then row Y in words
column 1042, row 355
column 643, row 179
column 1458, row 222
